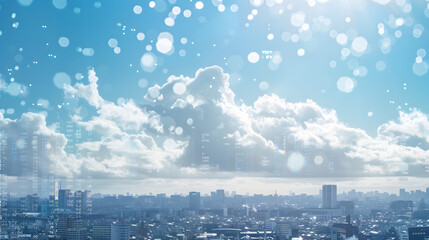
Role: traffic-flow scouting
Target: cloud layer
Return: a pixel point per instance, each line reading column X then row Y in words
column 275, row 137
column 194, row 127
column 30, row 148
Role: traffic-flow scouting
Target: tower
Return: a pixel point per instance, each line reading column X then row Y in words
column 194, row 201
column 329, row 196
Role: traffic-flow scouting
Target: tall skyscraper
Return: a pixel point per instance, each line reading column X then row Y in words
column 329, row 196
column 194, row 201
column 219, row 198
column 402, row 193
column 83, row 202
column 32, row 203
column 64, row 199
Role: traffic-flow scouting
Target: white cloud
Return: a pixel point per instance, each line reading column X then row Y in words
column 412, row 129
column 262, row 136
column 87, row 92
column 126, row 144
column 27, row 133
column 222, row 138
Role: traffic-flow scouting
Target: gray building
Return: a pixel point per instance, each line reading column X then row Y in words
column 329, row 196
column 119, row 231
column 194, row 201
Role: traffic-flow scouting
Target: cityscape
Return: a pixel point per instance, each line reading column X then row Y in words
column 214, row 120
column 218, row 215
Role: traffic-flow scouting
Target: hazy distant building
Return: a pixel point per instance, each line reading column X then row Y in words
column 329, row 193
column 343, row 231
column 402, row 206
column 418, row 233
column 218, row 198
column 283, row 230
column 83, row 202
column 194, row 201
column 324, row 212
column 422, row 205
column 347, row 207
column 270, row 224
column 402, row 193
column 119, row 231
column 64, row 199
column 32, row 203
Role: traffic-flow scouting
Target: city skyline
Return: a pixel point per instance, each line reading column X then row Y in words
column 214, row 120
column 245, row 188
column 79, row 215
column 140, row 96
column 401, row 192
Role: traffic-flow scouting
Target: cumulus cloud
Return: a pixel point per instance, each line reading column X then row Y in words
column 125, row 145
column 88, row 92
column 27, row 140
column 193, row 127
column 410, row 130
column 267, row 137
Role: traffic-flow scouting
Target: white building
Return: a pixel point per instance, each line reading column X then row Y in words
column 120, row 231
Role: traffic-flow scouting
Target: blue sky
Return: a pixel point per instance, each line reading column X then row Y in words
column 379, row 47
column 297, row 79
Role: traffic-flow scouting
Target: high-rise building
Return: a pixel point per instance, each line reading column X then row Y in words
column 119, row 231
column 101, row 231
column 329, row 196
column 76, row 234
column 220, row 193
column 418, row 233
column 62, row 226
column 194, row 201
column 87, row 198
column 32, row 203
column 218, row 198
column 83, row 202
column 401, row 232
column 70, row 228
column 402, row 193
column 64, row 199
